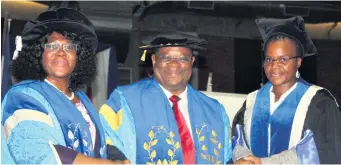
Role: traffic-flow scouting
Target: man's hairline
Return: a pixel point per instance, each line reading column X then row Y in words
column 158, row 49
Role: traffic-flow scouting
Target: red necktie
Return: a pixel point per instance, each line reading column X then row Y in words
column 187, row 144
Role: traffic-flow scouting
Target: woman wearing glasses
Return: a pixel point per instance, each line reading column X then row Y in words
column 288, row 120
column 46, row 118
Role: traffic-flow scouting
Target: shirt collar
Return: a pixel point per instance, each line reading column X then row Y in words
column 182, row 96
column 285, row 94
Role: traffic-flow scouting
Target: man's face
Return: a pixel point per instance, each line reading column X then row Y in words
column 283, row 70
column 173, row 67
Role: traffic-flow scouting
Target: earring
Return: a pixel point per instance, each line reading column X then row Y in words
column 297, row 74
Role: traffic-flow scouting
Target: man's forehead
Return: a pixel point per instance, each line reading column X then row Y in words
column 179, row 49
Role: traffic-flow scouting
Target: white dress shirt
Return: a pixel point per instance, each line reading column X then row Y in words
column 183, row 106
column 273, row 104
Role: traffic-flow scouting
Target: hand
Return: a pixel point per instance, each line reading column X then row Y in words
column 243, row 161
column 254, row 159
column 82, row 159
column 121, row 162
column 126, row 162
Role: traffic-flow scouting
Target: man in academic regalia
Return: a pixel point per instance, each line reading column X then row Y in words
column 288, row 120
column 163, row 119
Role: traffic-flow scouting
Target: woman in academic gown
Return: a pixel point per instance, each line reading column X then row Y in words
column 288, row 120
column 46, row 117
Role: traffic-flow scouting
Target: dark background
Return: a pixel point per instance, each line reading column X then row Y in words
column 234, row 51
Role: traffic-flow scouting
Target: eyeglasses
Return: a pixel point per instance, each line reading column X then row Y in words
column 167, row 59
column 54, row 47
column 282, row 60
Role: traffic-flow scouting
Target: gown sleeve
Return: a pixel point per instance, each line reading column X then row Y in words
column 240, row 148
column 324, row 119
column 119, row 127
column 30, row 133
column 238, row 118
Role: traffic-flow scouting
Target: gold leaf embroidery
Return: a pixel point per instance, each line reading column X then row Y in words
column 174, row 162
column 171, row 134
column 216, row 152
column 154, row 142
column 177, row 145
column 146, row 146
column 214, row 158
column 214, row 134
column 153, row 154
column 169, row 141
column 204, row 147
column 170, row 153
column 203, row 156
column 202, row 138
column 151, row 134
column 213, row 140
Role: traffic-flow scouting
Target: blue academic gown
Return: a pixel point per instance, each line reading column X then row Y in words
column 37, row 119
column 139, row 121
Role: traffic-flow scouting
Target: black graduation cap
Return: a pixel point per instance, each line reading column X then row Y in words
column 182, row 39
column 291, row 27
column 60, row 18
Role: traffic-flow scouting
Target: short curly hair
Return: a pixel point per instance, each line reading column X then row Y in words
column 28, row 65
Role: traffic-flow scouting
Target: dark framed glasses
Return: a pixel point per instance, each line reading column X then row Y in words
column 282, row 60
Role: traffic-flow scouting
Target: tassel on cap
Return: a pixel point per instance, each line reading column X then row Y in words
column 143, row 57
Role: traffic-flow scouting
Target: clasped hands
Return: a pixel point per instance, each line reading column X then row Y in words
column 249, row 160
